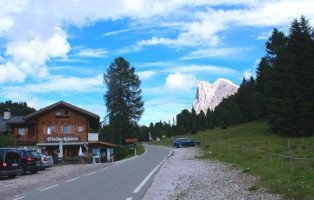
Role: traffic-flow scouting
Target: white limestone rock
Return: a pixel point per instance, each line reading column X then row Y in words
column 210, row 95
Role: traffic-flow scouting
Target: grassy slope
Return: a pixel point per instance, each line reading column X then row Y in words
column 247, row 146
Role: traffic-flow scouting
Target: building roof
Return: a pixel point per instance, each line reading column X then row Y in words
column 4, row 127
column 60, row 104
column 94, row 119
column 5, row 124
column 14, row 120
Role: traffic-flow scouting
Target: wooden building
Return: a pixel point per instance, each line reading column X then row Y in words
column 73, row 128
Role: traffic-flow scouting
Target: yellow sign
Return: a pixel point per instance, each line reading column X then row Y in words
column 163, row 136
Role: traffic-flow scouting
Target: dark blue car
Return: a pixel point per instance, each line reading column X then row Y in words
column 185, row 142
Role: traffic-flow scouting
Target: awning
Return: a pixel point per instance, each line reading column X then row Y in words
column 105, row 144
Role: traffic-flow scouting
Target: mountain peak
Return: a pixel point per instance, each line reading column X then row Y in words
column 223, row 80
column 210, row 95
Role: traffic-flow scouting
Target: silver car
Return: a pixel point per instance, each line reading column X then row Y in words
column 47, row 161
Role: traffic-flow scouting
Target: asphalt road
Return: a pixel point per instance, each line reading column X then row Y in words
column 126, row 180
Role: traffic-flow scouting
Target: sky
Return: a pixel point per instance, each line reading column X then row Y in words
column 58, row 50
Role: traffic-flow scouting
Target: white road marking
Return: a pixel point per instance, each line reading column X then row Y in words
column 149, row 175
column 19, row 198
column 145, row 180
column 49, row 187
column 129, row 198
column 90, row 173
column 72, row 179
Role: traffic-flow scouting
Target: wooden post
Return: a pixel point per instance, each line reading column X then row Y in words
column 290, row 156
column 270, row 153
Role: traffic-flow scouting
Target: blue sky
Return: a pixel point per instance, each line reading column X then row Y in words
column 59, row 50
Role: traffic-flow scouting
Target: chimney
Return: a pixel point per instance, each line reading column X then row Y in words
column 7, row 114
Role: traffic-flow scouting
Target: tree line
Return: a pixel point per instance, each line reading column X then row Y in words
column 16, row 108
column 282, row 93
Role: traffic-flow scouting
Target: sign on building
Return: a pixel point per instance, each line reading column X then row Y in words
column 92, row 136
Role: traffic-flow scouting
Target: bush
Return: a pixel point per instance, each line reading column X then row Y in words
column 121, row 152
column 6, row 140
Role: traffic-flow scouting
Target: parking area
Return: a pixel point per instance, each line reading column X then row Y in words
column 13, row 187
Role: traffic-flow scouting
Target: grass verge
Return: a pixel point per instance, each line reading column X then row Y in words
column 248, row 146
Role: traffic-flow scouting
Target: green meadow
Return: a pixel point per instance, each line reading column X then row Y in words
column 255, row 149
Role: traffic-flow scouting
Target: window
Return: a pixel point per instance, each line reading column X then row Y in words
column 21, row 131
column 50, row 130
column 58, row 113
column 80, row 129
column 96, row 152
column 67, row 129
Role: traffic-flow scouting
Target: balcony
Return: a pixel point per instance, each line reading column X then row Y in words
column 20, row 139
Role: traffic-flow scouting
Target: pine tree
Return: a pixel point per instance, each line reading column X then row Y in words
column 194, row 127
column 202, row 121
column 259, row 97
column 123, row 98
column 17, row 108
column 290, row 89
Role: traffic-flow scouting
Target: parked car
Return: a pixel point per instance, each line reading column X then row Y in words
column 185, row 142
column 10, row 162
column 47, row 161
column 30, row 161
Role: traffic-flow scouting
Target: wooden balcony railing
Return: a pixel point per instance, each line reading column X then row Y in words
column 20, row 139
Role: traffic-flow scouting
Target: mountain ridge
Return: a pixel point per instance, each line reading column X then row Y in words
column 210, row 95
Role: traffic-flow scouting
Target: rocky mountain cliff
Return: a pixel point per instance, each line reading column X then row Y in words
column 210, row 95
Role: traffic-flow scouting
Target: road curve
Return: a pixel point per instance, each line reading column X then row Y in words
column 125, row 180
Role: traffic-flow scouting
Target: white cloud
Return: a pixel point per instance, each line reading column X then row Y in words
column 181, row 82
column 248, row 74
column 34, row 30
column 97, row 53
column 252, row 71
column 57, row 84
column 28, row 58
column 119, row 31
column 214, row 52
column 264, row 35
column 146, row 74
column 203, row 28
column 10, row 73
column 208, row 69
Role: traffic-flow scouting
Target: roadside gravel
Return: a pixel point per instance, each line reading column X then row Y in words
column 16, row 187
column 183, row 176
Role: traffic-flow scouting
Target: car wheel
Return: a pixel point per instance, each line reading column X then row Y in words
column 196, row 144
column 22, row 171
column 34, row 171
column 180, row 146
column 12, row 175
column 42, row 169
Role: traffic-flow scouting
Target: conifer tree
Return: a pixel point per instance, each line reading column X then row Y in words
column 290, row 89
column 123, row 98
column 194, row 127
